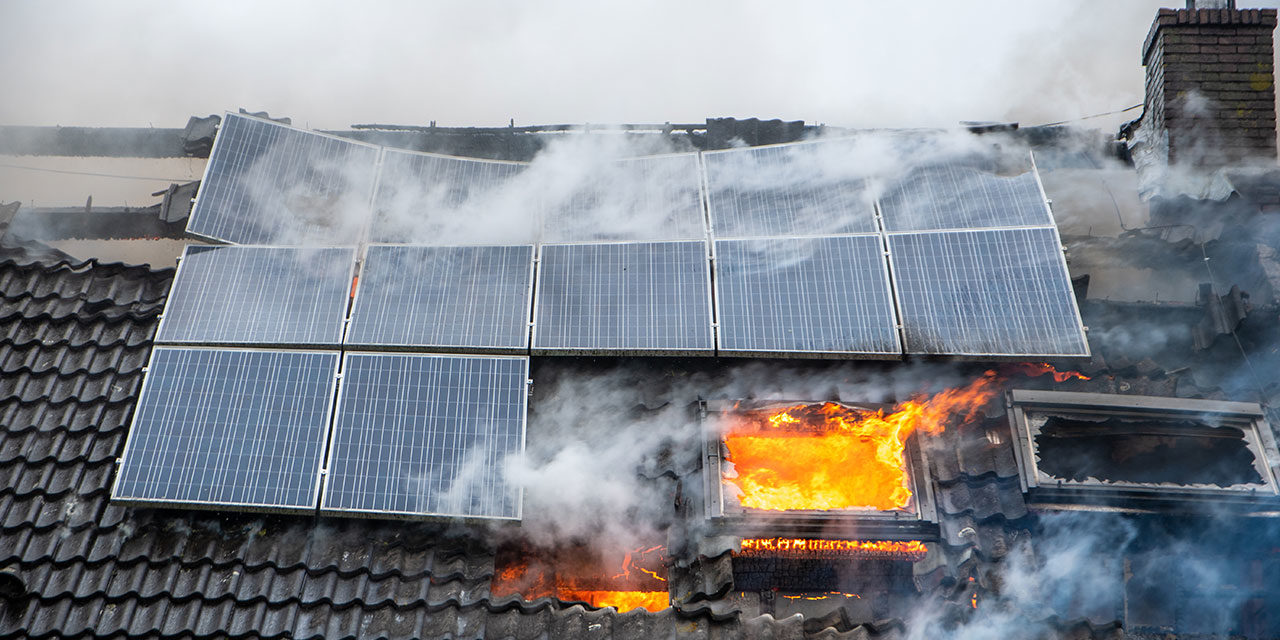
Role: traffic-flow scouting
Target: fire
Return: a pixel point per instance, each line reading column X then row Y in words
column 829, row 456
column 636, row 580
column 621, row 600
column 810, row 548
column 1034, row 369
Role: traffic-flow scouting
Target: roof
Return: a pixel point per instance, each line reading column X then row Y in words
column 79, row 334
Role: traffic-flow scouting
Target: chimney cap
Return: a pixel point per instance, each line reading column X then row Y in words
column 1211, row 4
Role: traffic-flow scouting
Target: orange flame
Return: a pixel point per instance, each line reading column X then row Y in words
column 1033, row 369
column 621, row 600
column 829, row 456
column 829, row 594
column 805, row 547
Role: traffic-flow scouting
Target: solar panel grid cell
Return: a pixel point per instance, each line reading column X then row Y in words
column 644, row 297
column 992, row 292
column 955, row 196
column 259, row 295
column 428, row 199
column 634, row 199
column 267, row 183
column 427, row 435
column 474, row 298
column 826, row 295
column 229, row 428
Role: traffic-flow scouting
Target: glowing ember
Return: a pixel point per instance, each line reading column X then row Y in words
column 628, row 580
column 621, row 600
column 824, row 596
column 829, row 456
column 808, row 548
column 1033, row 369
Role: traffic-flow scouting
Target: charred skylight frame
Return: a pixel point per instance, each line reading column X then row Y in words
column 917, row 522
column 1029, row 409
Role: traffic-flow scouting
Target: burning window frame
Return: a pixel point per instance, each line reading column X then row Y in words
column 918, row 522
column 1025, row 407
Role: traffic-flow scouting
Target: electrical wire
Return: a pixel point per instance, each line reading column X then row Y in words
column 1096, row 115
column 91, row 173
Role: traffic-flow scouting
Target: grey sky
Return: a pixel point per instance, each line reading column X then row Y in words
column 331, row 64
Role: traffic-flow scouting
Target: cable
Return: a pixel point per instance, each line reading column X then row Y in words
column 1096, row 115
column 91, row 173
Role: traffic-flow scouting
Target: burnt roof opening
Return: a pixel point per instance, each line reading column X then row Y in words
column 1184, row 452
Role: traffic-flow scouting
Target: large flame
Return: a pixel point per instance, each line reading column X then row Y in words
column 830, row 456
column 620, row 600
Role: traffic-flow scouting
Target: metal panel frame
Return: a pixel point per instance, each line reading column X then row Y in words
column 330, row 406
column 1248, row 417
column 342, row 321
column 213, row 150
column 896, row 354
column 1062, row 262
column 483, row 349
column 534, row 349
column 414, row 515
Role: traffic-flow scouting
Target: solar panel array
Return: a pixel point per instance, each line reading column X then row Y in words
column 805, row 295
column 642, row 297
column 259, row 295
column 267, row 183
column 219, row 427
column 428, row 435
column 474, row 298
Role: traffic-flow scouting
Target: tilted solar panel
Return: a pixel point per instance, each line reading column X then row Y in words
column 259, row 296
column 643, row 297
column 433, row 199
column 634, row 199
column 267, row 183
column 427, row 435
column 986, row 293
column 805, row 296
column 468, row 298
column 955, row 196
column 808, row 188
column 220, row 428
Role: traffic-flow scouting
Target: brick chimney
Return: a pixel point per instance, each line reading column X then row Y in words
column 1210, row 84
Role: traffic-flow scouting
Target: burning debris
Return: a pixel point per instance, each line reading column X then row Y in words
column 634, row 579
column 810, row 548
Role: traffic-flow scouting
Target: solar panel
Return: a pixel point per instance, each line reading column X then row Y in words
column 259, row 295
column 994, row 292
column 223, row 428
column 955, row 196
column 433, row 199
column 267, row 183
column 810, row 188
column 634, row 199
column 428, row 435
column 474, row 298
column 805, row 296
column 644, row 297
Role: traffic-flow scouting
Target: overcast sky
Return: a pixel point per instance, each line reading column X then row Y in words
column 332, row 64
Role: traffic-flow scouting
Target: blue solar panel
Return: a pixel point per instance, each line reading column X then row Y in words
column 643, row 297
column 955, row 196
column 267, row 183
column 805, row 296
column 433, row 199
column 229, row 428
column 475, row 298
column 990, row 293
column 646, row 198
column 808, row 188
column 259, row 296
column 428, row 435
